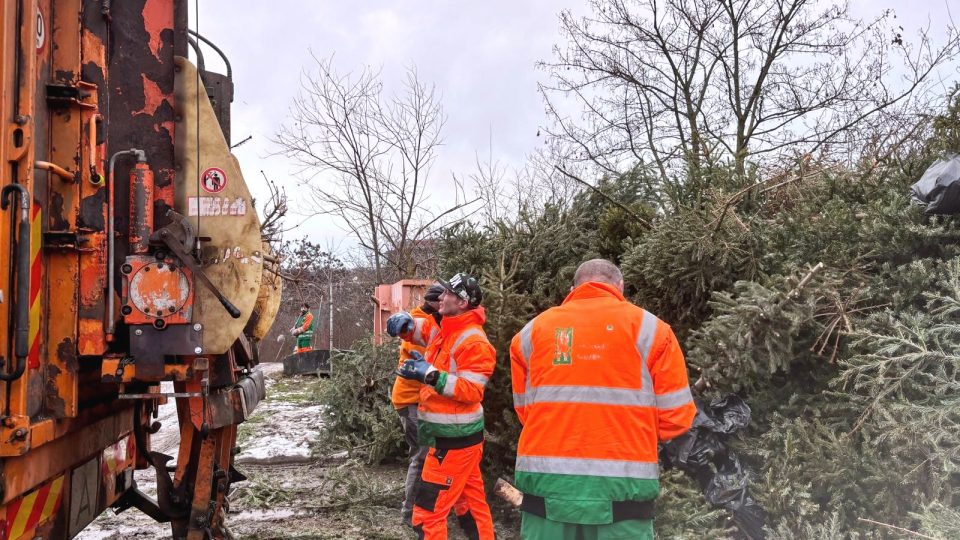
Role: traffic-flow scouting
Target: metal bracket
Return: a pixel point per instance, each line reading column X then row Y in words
column 66, row 95
column 155, row 395
column 179, row 236
column 135, row 498
column 148, row 346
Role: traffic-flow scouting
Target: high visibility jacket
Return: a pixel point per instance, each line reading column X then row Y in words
column 305, row 337
column 597, row 383
column 407, row 391
column 305, row 324
column 451, row 407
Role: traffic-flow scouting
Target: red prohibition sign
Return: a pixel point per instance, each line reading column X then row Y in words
column 213, row 180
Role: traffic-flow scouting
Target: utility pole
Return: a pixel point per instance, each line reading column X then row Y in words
column 330, row 296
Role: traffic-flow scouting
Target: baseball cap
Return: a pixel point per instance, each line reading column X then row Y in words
column 466, row 287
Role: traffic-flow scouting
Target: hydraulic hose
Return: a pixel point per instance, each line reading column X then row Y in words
column 111, row 241
column 22, row 336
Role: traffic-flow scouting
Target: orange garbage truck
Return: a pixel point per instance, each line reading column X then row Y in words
column 133, row 255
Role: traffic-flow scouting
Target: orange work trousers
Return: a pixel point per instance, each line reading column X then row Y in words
column 451, row 479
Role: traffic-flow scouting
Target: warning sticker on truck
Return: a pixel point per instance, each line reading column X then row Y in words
column 33, row 509
column 216, row 206
column 213, row 180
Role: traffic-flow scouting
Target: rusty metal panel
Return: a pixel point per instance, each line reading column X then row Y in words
column 156, row 292
column 141, row 100
column 66, row 450
column 148, row 346
column 63, row 265
column 8, row 33
column 39, row 297
column 93, row 194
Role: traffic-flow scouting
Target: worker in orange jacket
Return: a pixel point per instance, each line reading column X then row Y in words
column 406, row 392
column 303, row 330
column 597, row 383
column 454, row 371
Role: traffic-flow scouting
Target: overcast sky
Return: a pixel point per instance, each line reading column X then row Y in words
column 480, row 55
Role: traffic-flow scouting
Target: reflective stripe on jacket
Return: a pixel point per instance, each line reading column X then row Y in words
column 407, row 391
column 597, row 383
column 466, row 360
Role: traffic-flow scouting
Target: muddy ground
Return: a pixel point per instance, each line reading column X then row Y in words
column 293, row 490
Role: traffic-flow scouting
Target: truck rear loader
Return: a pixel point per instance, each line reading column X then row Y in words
column 132, row 255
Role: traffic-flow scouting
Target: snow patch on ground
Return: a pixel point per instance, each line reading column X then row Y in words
column 268, row 515
column 283, row 430
column 288, row 430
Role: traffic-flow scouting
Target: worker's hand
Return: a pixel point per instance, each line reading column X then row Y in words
column 399, row 323
column 417, row 368
column 295, row 331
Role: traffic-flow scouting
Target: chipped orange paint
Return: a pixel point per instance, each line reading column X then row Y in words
column 93, row 283
column 168, row 125
column 157, row 17
column 16, row 393
column 93, row 49
column 143, row 284
column 62, row 267
column 171, row 372
column 91, row 340
column 153, row 97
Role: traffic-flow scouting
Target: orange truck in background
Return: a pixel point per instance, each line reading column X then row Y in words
column 133, row 255
column 388, row 299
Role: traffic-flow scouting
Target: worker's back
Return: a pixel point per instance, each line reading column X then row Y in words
column 600, row 382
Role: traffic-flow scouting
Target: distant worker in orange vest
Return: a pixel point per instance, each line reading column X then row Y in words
column 597, row 383
column 406, row 392
column 454, row 372
column 303, row 330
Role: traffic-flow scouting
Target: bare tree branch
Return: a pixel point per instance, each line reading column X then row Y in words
column 366, row 159
column 685, row 85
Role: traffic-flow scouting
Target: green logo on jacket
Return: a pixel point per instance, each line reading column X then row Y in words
column 563, row 353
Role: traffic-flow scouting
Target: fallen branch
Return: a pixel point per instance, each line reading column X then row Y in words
column 736, row 196
column 806, row 279
column 901, row 529
column 370, row 499
column 277, row 460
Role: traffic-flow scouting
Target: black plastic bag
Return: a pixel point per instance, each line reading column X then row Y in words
column 702, row 453
column 939, row 187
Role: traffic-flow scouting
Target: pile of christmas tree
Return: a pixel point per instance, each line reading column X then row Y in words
column 821, row 295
